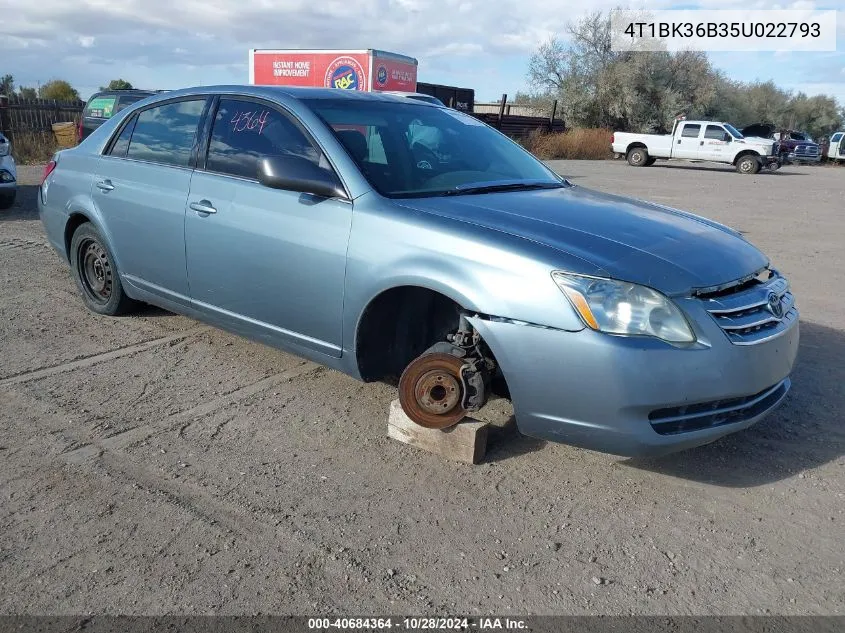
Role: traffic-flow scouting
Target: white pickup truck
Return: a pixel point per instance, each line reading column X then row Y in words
column 699, row 141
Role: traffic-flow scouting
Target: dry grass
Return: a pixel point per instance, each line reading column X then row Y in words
column 579, row 143
column 30, row 148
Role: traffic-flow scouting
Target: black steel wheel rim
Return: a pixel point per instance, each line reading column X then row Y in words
column 95, row 270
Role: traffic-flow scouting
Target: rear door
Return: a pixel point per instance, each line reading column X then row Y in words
column 687, row 141
column 141, row 188
column 265, row 262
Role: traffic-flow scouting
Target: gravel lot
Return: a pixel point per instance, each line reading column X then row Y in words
column 152, row 465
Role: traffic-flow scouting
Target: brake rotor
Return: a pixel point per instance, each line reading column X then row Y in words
column 430, row 391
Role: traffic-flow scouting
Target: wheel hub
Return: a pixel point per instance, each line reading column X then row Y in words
column 430, row 391
column 96, row 270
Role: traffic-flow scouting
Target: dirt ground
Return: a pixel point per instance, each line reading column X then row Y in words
column 152, row 465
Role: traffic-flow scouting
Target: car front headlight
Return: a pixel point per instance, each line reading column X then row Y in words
column 620, row 307
column 6, row 176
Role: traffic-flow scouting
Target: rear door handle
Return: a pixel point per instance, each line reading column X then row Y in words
column 105, row 185
column 203, row 206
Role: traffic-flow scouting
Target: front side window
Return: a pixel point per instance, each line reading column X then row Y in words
column 166, row 133
column 715, row 132
column 411, row 149
column 244, row 131
column 691, row 131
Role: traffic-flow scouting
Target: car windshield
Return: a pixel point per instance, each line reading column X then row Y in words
column 415, row 150
column 734, row 132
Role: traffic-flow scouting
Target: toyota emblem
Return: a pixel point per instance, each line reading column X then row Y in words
column 775, row 306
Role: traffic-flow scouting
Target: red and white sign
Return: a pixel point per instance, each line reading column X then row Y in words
column 346, row 70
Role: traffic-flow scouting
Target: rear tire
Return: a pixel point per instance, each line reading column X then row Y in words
column 7, row 201
column 95, row 273
column 638, row 157
column 748, row 165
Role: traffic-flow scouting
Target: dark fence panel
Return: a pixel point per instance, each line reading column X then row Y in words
column 520, row 127
column 36, row 115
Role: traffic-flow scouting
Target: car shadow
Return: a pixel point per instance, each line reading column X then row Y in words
column 506, row 442
column 25, row 206
column 804, row 433
column 693, row 167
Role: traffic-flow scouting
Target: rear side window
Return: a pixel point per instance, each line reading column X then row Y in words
column 121, row 143
column 244, row 131
column 691, row 131
column 166, row 133
column 100, row 107
column 715, row 132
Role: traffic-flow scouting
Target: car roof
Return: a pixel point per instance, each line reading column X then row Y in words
column 131, row 91
column 294, row 92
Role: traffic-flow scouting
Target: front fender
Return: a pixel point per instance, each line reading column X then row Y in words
column 484, row 271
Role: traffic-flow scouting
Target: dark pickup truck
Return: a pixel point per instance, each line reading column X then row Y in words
column 795, row 147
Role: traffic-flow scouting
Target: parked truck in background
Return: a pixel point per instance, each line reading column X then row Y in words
column 365, row 69
column 793, row 146
column 834, row 148
column 711, row 141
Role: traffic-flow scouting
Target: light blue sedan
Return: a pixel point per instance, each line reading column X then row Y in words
column 8, row 174
column 315, row 221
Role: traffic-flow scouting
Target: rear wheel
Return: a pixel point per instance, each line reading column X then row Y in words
column 96, row 274
column 638, row 157
column 748, row 165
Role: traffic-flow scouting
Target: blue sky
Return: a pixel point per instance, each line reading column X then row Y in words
column 482, row 44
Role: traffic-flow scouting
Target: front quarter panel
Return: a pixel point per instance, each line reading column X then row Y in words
column 484, row 271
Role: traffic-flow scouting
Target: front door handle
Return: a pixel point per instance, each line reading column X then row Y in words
column 203, row 206
column 701, row 142
column 105, row 185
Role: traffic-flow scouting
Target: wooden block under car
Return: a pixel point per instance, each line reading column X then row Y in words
column 465, row 442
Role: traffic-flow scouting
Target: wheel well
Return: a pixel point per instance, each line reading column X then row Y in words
column 74, row 222
column 743, row 154
column 634, row 146
column 399, row 325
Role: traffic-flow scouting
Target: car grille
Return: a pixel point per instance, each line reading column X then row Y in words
column 807, row 151
column 706, row 415
column 753, row 310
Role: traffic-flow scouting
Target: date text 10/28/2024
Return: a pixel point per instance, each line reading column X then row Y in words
column 416, row 624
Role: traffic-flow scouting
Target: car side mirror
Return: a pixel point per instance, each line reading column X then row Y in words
column 295, row 173
column 727, row 138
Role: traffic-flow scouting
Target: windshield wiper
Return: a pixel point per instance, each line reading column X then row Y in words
column 464, row 190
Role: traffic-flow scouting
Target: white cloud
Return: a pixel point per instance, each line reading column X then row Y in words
column 155, row 41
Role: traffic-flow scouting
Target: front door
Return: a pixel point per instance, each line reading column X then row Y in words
column 141, row 188
column 715, row 147
column 687, row 142
column 265, row 262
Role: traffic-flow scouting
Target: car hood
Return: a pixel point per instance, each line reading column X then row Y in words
column 641, row 242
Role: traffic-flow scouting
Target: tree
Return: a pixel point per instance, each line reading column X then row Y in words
column 7, row 85
column 27, row 93
column 117, row 84
column 58, row 89
column 645, row 91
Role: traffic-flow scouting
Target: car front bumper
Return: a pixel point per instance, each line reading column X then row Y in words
column 802, row 158
column 635, row 396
